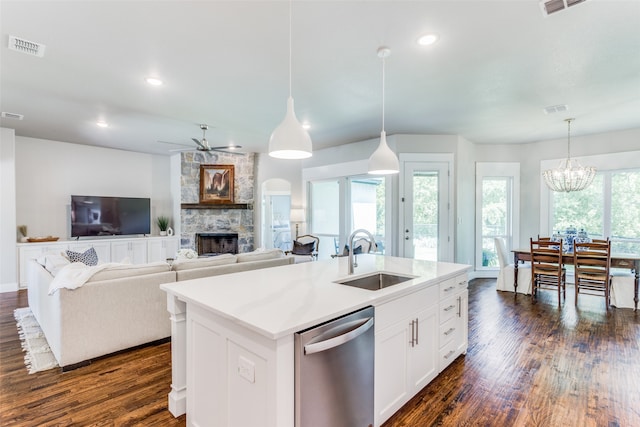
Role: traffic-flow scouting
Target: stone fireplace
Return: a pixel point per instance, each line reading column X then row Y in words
column 216, row 243
column 197, row 218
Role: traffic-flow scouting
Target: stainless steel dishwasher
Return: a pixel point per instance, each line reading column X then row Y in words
column 334, row 372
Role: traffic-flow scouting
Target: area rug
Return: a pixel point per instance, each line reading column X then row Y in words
column 38, row 355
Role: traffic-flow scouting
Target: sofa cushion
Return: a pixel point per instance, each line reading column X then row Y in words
column 88, row 257
column 187, row 264
column 52, row 262
column 118, row 271
column 260, row 255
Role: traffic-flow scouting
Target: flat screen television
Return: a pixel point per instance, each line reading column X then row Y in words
column 109, row 216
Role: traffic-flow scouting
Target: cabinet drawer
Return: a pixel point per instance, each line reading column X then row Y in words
column 389, row 313
column 448, row 287
column 449, row 309
column 461, row 283
column 448, row 354
column 450, row 331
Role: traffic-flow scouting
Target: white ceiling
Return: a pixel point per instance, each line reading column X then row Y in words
column 225, row 63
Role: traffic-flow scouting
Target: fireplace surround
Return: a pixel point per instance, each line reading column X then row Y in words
column 209, row 244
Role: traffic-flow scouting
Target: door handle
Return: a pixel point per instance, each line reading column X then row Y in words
column 360, row 327
column 413, row 334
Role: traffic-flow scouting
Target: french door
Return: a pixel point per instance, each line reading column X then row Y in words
column 426, row 224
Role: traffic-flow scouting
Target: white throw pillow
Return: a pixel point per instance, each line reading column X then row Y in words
column 52, row 262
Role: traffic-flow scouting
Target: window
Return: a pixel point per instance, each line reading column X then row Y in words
column 609, row 207
column 497, row 210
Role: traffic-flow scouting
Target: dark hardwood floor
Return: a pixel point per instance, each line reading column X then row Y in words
column 527, row 365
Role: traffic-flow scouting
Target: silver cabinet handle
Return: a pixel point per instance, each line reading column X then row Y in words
column 417, row 330
column 449, row 289
column 448, row 355
column 459, row 306
column 361, row 326
column 451, row 307
column 450, row 331
column 413, row 334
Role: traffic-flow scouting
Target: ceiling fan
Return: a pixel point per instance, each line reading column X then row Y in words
column 203, row 144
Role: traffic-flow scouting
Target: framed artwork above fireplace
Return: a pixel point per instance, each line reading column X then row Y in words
column 216, row 184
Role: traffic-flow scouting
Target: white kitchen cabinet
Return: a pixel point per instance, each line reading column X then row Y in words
column 161, row 248
column 406, row 349
column 453, row 336
column 133, row 251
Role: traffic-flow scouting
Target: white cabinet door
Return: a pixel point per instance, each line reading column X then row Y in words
column 159, row 249
column 134, row 251
column 406, row 349
column 423, row 357
column 392, row 370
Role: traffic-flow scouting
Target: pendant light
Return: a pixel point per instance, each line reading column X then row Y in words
column 570, row 175
column 383, row 161
column 290, row 140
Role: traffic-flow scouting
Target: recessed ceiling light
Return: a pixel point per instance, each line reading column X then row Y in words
column 428, row 39
column 153, row 81
column 102, row 124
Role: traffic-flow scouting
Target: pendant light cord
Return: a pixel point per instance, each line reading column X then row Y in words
column 290, row 13
column 383, row 78
column 568, row 139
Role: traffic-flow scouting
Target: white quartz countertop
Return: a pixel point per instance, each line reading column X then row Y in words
column 279, row 301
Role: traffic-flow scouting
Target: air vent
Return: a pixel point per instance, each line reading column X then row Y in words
column 26, row 46
column 6, row 115
column 556, row 109
column 552, row 6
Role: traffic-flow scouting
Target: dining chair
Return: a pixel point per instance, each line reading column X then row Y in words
column 592, row 263
column 305, row 248
column 547, row 271
column 363, row 245
column 507, row 271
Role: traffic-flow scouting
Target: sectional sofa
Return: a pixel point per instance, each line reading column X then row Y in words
column 120, row 306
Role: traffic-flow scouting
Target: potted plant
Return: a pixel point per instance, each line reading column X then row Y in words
column 163, row 224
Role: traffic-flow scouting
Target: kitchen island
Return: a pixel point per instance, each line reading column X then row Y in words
column 233, row 335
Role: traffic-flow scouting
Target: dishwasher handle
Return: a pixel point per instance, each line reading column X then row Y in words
column 360, row 327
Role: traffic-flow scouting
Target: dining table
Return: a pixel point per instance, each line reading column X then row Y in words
column 618, row 260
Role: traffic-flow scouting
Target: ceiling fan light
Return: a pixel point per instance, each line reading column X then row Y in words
column 290, row 140
column 383, row 161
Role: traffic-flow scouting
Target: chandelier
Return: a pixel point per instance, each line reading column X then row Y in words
column 570, row 175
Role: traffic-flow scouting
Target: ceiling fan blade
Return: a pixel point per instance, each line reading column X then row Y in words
column 174, row 143
column 199, row 143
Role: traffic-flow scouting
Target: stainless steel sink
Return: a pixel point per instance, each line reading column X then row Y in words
column 375, row 281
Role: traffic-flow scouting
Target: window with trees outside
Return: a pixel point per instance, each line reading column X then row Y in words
column 497, row 214
column 609, row 207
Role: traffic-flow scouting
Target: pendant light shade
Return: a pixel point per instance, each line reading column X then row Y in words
column 570, row 175
column 383, row 161
column 290, row 140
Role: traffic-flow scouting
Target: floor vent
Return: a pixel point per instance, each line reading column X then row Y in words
column 26, row 46
column 6, row 115
column 552, row 6
column 556, row 109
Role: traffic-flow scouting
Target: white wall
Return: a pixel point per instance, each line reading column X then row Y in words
column 49, row 172
column 8, row 225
